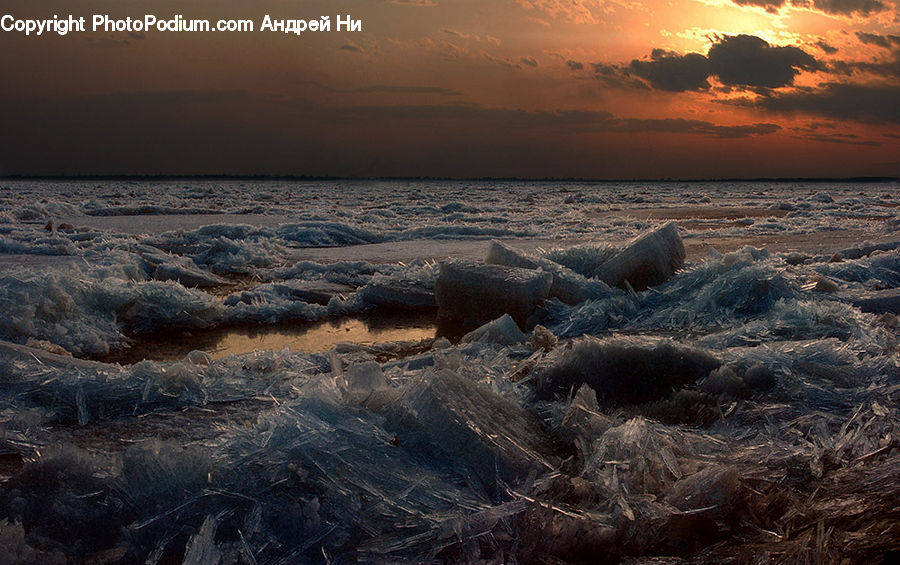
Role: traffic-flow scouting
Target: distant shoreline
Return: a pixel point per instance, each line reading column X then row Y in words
column 873, row 179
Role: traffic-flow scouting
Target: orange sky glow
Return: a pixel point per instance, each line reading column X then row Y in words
column 463, row 88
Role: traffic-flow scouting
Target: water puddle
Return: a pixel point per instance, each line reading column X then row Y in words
column 321, row 337
column 311, row 338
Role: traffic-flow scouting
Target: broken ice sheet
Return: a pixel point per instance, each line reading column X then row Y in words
column 447, row 454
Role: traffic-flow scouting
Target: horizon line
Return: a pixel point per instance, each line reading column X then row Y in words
column 437, row 178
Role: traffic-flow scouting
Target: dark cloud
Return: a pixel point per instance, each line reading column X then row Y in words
column 503, row 62
column 844, row 7
column 239, row 132
column 771, row 6
column 842, row 139
column 888, row 68
column 886, row 41
column 878, row 104
column 698, row 127
column 406, row 90
column 746, row 60
column 815, row 126
column 826, row 47
column 602, row 69
column 673, row 72
column 617, row 76
column 575, row 65
column 837, row 7
column 530, row 61
column 455, row 33
column 351, row 47
column 387, row 88
column 563, row 121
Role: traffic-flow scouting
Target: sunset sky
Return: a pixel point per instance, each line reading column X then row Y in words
column 462, row 88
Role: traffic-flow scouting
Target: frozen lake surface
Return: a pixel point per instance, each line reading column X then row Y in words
column 723, row 389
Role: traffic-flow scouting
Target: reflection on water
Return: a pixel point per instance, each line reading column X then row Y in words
column 321, row 337
column 311, row 338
